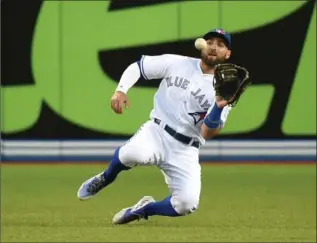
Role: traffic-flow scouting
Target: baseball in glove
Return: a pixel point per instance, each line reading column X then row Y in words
column 230, row 81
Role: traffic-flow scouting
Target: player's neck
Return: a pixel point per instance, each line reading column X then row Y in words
column 206, row 69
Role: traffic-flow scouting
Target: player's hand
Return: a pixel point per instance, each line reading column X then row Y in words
column 118, row 101
column 220, row 102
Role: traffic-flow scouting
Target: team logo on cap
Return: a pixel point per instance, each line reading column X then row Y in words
column 221, row 31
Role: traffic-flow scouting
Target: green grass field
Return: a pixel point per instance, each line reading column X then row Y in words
column 239, row 203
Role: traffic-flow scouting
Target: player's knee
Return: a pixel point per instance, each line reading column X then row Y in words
column 127, row 155
column 185, row 205
column 132, row 156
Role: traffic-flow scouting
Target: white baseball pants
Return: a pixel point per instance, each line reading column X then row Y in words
column 179, row 163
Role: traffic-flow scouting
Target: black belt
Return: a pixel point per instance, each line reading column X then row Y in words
column 178, row 136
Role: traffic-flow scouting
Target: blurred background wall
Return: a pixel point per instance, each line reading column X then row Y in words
column 61, row 61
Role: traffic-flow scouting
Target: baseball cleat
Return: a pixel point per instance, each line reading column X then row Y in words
column 91, row 187
column 135, row 212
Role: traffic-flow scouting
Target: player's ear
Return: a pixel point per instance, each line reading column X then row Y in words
column 228, row 54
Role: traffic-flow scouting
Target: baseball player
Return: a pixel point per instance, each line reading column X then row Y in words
column 187, row 111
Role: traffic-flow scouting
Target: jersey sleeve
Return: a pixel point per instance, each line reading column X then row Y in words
column 224, row 115
column 157, row 67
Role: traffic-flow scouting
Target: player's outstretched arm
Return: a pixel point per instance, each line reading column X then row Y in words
column 212, row 122
column 208, row 133
column 119, row 99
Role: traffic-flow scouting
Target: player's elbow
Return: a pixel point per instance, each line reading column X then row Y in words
column 208, row 133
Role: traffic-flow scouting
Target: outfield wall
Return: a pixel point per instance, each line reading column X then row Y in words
column 228, row 150
column 62, row 60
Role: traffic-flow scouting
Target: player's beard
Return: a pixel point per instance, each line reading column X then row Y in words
column 211, row 62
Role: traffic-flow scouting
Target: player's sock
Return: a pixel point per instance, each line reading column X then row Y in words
column 163, row 208
column 114, row 168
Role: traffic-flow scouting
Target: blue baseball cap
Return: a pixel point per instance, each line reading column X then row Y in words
column 221, row 33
